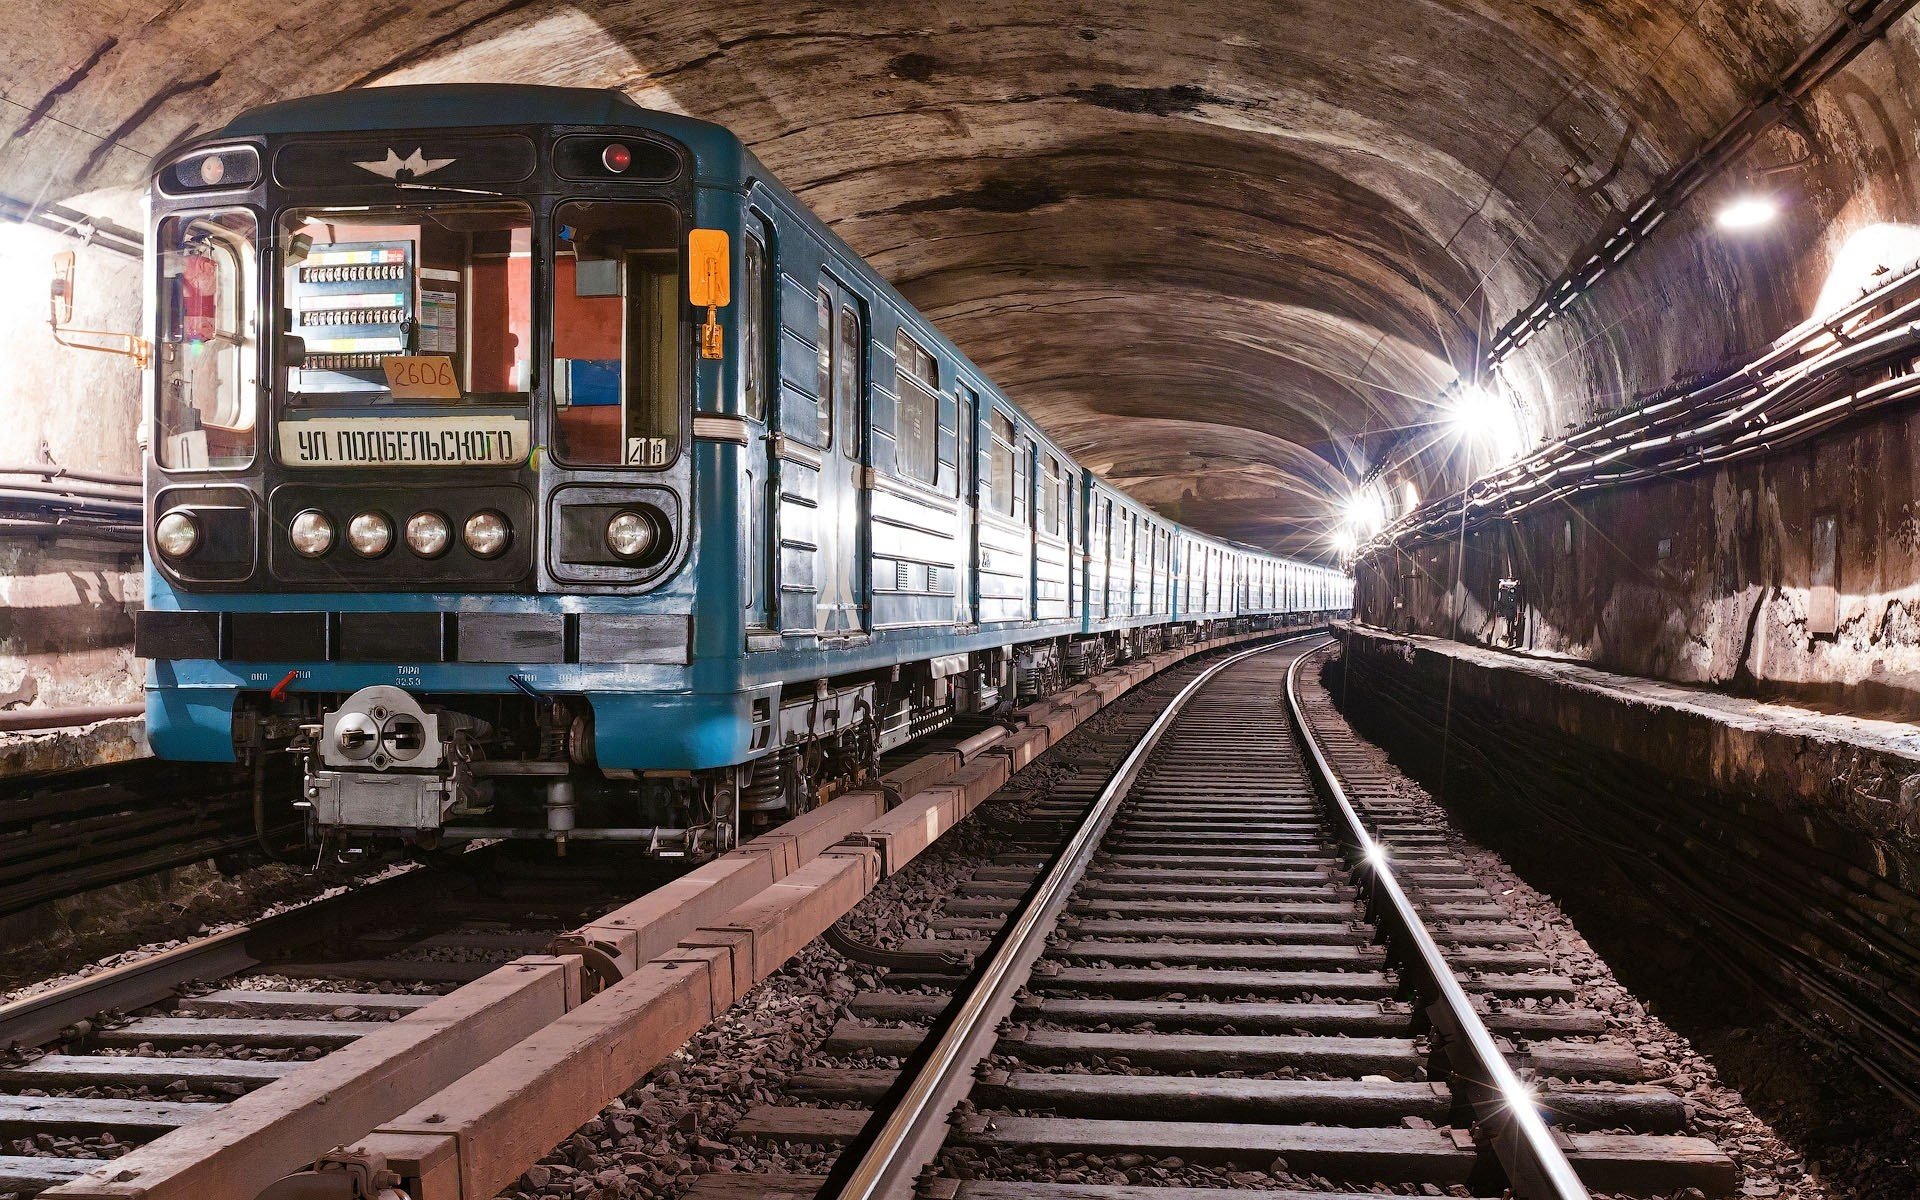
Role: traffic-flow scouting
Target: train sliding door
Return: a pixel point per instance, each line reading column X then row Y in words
column 820, row 457
column 842, row 605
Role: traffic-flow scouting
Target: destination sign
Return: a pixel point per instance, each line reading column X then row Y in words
column 463, row 440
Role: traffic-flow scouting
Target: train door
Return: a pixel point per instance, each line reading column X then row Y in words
column 965, row 589
column 761, row 575
column 840, row 604
column 1003, row 528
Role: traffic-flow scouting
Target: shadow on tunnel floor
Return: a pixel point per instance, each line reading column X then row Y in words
column 1853, row 1131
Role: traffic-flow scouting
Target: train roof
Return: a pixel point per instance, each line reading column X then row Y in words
column 457, row 105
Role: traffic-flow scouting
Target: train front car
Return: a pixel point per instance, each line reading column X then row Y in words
column 422, row 463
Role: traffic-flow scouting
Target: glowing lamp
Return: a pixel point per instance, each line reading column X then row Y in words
column 1748, row 212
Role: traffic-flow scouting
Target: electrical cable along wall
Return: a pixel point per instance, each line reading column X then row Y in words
column 1753, row 534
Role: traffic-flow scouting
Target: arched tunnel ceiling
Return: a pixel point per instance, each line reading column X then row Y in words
column 1220, row 250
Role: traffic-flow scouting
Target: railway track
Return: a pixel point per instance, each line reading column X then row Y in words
column 1225, row 957
column 1200, row 953
column 108, row 1063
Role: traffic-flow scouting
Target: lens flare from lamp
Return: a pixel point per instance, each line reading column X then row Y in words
column 1748, row 212
column 1366, row 511
column 1477, row 412
column 1345, row 542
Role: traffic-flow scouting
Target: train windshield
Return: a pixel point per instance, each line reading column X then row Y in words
column 407, row 305
column 204, row 347
column 619, row 336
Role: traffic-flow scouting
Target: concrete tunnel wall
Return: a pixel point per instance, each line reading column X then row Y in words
column 1706, row 579
column 1230, row 257
column 66, row 602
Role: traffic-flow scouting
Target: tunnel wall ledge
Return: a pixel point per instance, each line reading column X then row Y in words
column 54, row 751
column 1859, row 771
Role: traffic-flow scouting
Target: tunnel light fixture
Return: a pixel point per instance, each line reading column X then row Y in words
column 1345, row 541
column 1748, row 212
column 1477, row 412
column 1366, row 511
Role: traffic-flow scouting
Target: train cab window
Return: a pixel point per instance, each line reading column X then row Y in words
column 917, row 422
column 753, row 325
column 206, row 345
column 429, row 282
column 618, row 334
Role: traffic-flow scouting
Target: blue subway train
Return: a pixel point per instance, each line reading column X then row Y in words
column 532, row 464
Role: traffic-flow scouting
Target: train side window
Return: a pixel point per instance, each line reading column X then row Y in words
column 917, row 426
column 847, row 398
column 1052, row 494
column 822, row 436
column 753, row 324
column 1002, row 481
column 207, row 346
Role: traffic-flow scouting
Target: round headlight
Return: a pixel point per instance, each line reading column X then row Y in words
column 311, row 533
column 176, row 534
column 629, row 534
column 370, row 534
column 487, row 534
column 428, row 534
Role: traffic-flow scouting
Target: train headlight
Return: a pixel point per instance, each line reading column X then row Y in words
column 370, row 534
column 630, row 534
column 428, row 534
column 311, row 533
column 487, row 534
column 176, row 534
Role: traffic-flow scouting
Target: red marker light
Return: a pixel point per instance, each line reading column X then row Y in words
column 616, row 158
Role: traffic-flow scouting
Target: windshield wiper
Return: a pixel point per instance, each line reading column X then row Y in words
column 441, row 187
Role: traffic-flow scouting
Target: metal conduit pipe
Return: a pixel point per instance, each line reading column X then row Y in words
column 104, row 530
column 54, row 498
column 1823, row 346
column 38, row 719
column 52, row 471
column 101, row 491
column 1799, row 395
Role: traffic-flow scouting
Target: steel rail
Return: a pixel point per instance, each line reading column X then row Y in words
column 43, row 1016
column 1535, row 1166
column 916, row 1126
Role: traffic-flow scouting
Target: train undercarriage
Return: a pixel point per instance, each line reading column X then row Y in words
column 383, row 766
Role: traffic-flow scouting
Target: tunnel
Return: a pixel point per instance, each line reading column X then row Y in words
column 1553, row 361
